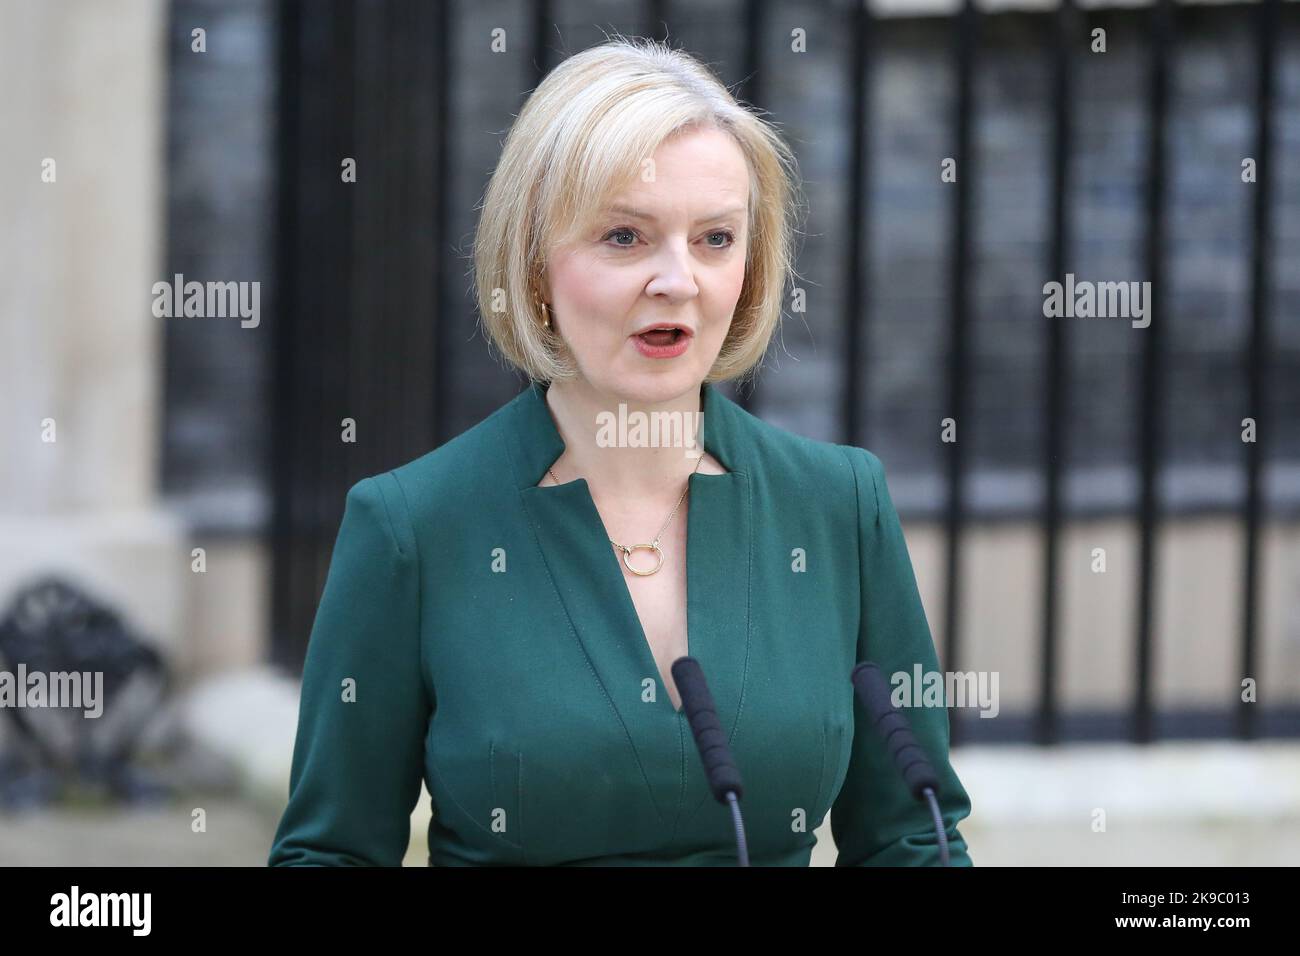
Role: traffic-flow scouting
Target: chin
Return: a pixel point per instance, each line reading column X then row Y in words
column 652, row 388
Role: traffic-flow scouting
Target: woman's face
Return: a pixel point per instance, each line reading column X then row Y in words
column 670, row 251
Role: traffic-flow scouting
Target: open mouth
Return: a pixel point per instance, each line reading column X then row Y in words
column 661, row 337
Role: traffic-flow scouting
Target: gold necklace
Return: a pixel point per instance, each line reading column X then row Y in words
column 653, row 545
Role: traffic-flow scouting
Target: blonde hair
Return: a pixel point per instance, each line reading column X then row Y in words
column 584, row 133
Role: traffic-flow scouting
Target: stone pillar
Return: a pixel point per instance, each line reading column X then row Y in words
column 80, row 350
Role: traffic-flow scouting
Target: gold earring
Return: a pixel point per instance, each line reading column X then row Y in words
column 546, row 310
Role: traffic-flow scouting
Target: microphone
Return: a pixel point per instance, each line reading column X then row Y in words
column 711, row 742
column 912, row 763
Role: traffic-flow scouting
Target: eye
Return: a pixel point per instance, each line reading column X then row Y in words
column 726, row 234
column 620, row 231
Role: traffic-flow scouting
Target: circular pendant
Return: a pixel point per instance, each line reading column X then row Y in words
column 627, row 552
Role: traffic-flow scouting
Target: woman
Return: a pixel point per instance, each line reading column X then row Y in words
column 500, row 615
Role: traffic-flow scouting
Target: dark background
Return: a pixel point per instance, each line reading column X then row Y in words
column 924, row 298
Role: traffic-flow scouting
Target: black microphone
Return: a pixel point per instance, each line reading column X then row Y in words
column 711, row 742
column 912, row 763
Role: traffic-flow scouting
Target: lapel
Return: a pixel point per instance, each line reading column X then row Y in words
column 586, row 573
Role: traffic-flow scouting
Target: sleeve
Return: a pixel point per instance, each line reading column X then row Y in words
column 365, row 705
column 874, row 820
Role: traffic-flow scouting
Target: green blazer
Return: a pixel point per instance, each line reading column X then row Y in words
column 476, row 632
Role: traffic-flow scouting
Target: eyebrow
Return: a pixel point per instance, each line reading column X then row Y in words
column 635, row 213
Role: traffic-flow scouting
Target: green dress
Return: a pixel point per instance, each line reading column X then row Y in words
column 476, row 631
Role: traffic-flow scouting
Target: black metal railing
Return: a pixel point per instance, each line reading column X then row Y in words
column 365, row 273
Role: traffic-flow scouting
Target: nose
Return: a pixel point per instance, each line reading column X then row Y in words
column 674, row 276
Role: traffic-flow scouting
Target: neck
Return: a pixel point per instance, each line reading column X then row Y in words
column 587, row 420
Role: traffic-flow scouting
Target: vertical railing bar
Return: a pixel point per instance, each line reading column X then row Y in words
column 361, row 213
column 391, row 290
column 441, row 342
column 284, row 650
column 856, row 310
column 1064, row 35
column 308, row 355
column 1150, row 432
column 415, row 44
column 1266, row 22
column 314, row 35
column 965, row 29
column 388, row 291
column 348, row 65
column 543, row 24
column 540, row 63
column 751, row 90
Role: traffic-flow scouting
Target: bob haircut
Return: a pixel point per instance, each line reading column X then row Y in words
column 584, row 133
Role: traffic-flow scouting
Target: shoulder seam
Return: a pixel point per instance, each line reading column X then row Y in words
column 875, row 467
column 872, row 467
column 857, row 491
column 388, row 514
